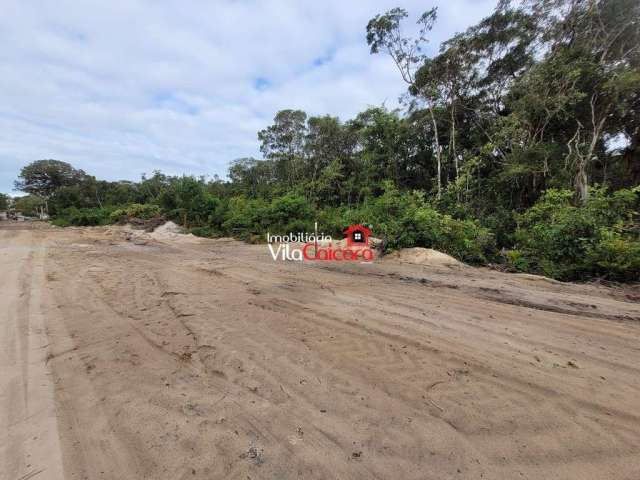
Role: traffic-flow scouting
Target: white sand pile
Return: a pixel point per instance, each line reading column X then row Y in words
column 172, row 232
column 168, row 229
column 167, row 232
column 424, row 256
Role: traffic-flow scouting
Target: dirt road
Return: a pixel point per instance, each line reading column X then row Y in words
column 208, row 360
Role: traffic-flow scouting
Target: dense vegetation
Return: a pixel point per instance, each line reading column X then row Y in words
column 518, row 145
column 4, row 202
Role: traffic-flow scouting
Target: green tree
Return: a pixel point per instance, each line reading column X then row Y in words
column 384, row 34
column 4, row 201
column 595, row 49
column 30, row 205
column 187, row 200
column 252, row 177
column 283, row 142
column 44, row 177
column 329, row 151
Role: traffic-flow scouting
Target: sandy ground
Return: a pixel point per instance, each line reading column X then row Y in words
column 208, row 360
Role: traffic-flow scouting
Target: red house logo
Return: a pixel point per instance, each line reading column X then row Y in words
column 357, row 235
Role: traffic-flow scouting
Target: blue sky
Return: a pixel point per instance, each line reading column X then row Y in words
column 124, row 87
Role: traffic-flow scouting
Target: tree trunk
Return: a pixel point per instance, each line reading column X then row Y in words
column 438, row 159
column 583, row 160
column 453, row 141
column 581, row 182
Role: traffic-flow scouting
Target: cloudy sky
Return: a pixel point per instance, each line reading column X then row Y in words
column 123, row 87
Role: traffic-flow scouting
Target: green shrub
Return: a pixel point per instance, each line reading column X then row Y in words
column 83, row 217
column 61, row 222
column 289, row 213
column 245, row 217
column 207, row 232
column 463, row 239
column 518, row 261
column 616, row 255
column 565, row 241
column 406, row 219
column 135, row 210
column 144, row 211
column 187, row 201
column 332, row 221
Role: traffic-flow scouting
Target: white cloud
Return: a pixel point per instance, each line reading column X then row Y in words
column 124, row 87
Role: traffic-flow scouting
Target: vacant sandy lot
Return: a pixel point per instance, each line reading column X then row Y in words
column 207, row 360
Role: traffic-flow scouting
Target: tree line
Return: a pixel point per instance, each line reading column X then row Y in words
column 517, row 144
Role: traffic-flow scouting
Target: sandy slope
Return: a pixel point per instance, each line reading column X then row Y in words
column 169, row 360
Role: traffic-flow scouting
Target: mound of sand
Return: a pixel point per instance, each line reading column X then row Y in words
column 169, row 231
column 424, row 256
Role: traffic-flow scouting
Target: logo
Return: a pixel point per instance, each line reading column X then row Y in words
column 357, row 235
column 320, row 247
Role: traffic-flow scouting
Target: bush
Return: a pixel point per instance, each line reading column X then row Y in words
column 135, row 210
column 29, row 205
column 568, row 242
column 61, row 222
column 332, row 221
column 253, row 218
column 463, row 239
column 290, row 213
column 206, row 232
column 615, row 255
column 245, row 217
column 408, row 220
column 83, row 217
column 187, row 201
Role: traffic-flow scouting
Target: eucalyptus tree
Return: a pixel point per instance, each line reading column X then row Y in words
column 384, row 35
column 596, row 46
column 283, row 142
column 330, row 147
column 252, row 177
column 450, row 76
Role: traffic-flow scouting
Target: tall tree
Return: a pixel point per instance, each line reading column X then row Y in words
column 329, row 151
column 600, row 41
column 44, row 177
column 4, row 202
column 283, row 142
column 253, row 177
column 384, row 34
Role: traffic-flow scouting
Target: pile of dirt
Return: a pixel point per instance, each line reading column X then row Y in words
column 169, row 231
column 424, row 256
column 146, row 224
column 166, row 232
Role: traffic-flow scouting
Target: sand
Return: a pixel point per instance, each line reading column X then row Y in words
column 173, row 360
column 423, row 256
